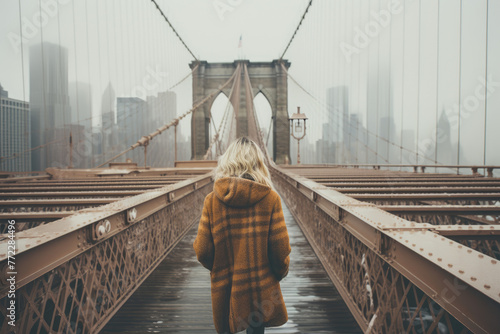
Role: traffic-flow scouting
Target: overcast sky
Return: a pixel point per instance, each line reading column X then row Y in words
column 420, row 60
column 211, row 29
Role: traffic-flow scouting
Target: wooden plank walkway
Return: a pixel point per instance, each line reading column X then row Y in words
column 175, row 298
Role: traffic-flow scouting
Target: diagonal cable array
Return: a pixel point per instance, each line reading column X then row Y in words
column 327, row 107
column 218, row 136
column 144, row 140
column 253, row 122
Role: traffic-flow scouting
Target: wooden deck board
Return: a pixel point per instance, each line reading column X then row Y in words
column 175, row 298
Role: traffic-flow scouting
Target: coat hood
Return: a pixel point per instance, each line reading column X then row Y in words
column 240, row 192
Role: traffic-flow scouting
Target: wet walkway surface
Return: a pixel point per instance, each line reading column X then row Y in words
column 175, row 298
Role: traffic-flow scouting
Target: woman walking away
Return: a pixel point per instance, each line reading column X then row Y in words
column 243, row 240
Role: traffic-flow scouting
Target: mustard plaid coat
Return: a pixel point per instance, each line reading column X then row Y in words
column 243, row 240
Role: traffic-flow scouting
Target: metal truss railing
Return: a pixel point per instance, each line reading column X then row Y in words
column 395, row 275
column 75, row 273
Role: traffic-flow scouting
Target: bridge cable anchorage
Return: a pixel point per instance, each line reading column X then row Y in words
column 327, row 107
column 297, row 29
column 218, row 137
column 173, row 29
column 144, row 140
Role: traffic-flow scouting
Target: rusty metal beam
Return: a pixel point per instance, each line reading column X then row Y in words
column 23, row 178
column 122, row 242
column 430, row 196
column 71, row 194
column 445, row 209
column 46, row 215
column 79, row 188
column 442, row 189
column 395, row 178
column 107, row 173
column 36, row 248
column 62, row 201
column 470, row 230
column 89, row 183
column 389, row 183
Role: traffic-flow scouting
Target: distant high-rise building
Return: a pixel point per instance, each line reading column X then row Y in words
column 446, row 151
column 337, row 99
column 162, row 109
column 81, row 116
column 14, row 134
column 354, row 138
column 109, row 129
column 325, row 147
column 49, row 105
column 387, row 135
column 408, row 142
column 131, row 114
column 80, row 98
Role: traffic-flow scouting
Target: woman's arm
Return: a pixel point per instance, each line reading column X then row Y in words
column 204, row 243
column 279, row 243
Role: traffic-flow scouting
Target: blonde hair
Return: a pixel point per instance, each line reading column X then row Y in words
column 243, row 156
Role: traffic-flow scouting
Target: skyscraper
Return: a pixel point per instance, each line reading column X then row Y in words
column 337, row 99
column 162, row 109
column 109, row 128
column 49, row 105
column 80, row 98
column 131, row 114
column 14, row 134
column 81, row 124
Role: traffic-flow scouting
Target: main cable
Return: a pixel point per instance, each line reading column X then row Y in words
column 297, row 29
column 175, row 31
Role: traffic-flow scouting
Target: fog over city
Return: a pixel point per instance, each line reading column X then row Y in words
column 387, row 82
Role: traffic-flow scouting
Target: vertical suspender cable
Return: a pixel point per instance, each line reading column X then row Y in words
column 418, row 80
column 403, row 89
column 486, row 85
column 437, row 89
column 459, row 87
column 26, row 129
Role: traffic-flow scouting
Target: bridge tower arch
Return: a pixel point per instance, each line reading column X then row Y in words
column 267, row 78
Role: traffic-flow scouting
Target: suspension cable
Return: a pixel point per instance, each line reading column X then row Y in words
column 218, row 137
column 175, row 31
column 144, row 140
column 15, row 155
column 256, row 125
column 297, row 29
column 366, row 130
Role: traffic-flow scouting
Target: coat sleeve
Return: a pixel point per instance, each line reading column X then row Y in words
column 279, row 243
column 204, row 243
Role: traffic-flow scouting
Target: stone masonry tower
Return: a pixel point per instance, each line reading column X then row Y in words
column 268, row 78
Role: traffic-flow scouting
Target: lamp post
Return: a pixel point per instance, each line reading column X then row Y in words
column 296, row 120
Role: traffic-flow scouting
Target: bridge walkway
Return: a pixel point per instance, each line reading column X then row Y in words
column 175, row 298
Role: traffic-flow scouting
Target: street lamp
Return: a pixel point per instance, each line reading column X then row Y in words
column 296, row 120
